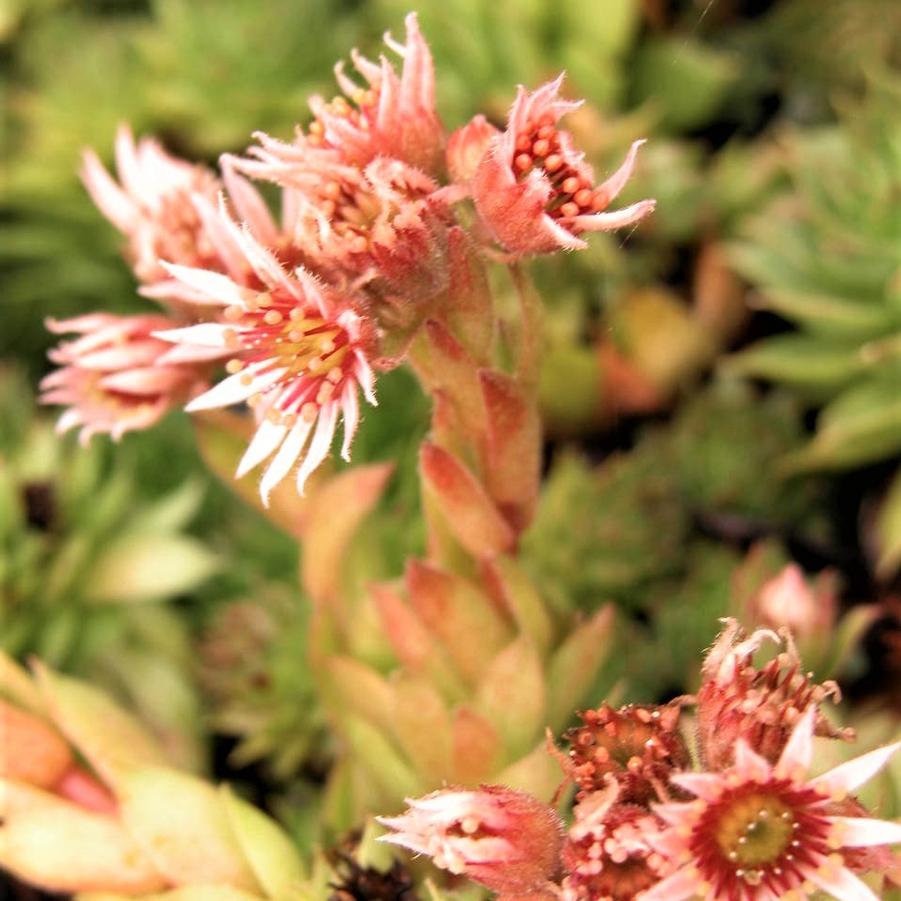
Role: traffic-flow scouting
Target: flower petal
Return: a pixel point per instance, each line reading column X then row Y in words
column 848, row 776
column 212, row 284
column 613, row 185
column 680, row 885
column 285, row 458
column 205, row 334
column 322, row 439
column 234, row 390
column 110, row 199
column 750, row 764
column 265, row 440
column 798, row 751
column 708, row 786
column 350, row 413
column 862, row 832
column 603, row 222
column 841, row 883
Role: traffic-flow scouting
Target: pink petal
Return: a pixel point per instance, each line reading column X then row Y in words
column 674, row 814
column 840, row 883
column 190, row 353
column 350, row 413
column 365, row 376
column 798, row 751
column 682, row 884
column 266, row 439
column 110, row 199
column 613, row 185
column 234, row 390
column 264, row 264
column 249, row 204
column 212, row 284
column 127, row 164
column 749, row 764
column 145, row 380
column 707, row 786
column 69, row 420
column 205, row 334
column 603, row 222
column 285, row 458
column 319, row 446
column 862, row 832
column 848, row 776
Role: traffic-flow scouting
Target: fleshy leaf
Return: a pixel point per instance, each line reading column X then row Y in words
column 64, row 848
column 271, row 854
column 181, row 823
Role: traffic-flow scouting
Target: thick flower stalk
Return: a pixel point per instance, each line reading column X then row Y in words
column 298, row 356
column 762, row 830
column 534, row 191
column 116, row 376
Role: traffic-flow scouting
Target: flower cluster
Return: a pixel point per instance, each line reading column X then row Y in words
column 301, row 309
column 751, row 825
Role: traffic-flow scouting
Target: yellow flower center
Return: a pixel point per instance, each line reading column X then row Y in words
column 754, row 831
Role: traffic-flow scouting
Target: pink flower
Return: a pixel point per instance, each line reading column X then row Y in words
column 466, row 147
column 384, row 225
column 391, row 116
column 736, row 700
column 637, row 745
column 117, row 377
column 761, row 831
column 608, row 853
column 298, row 356
column 534, row 191
column 505, row 839
column 166, row 208
column 787, row 600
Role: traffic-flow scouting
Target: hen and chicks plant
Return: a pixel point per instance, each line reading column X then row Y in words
column 379, row 254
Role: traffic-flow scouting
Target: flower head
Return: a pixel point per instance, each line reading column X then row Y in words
column 505, row 839
column 392, row 116
column 534, row 191
column 159, row 205
column 608, row 852
column 639, row 746
column 766, row 831
column 788, row 600
column 738, row 700
column 382, row 225
column 298, row 356
column 117, row 376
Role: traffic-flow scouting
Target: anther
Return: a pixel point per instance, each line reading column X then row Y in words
column 553, row 162
column 523, row 162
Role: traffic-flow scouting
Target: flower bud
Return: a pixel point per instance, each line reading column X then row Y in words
column 761, row 706
column 467, row 146
column 504, row 839
column 639, row 746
